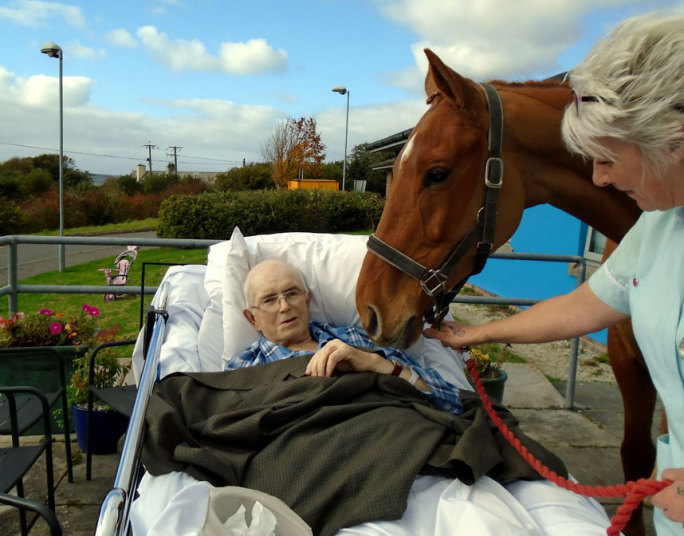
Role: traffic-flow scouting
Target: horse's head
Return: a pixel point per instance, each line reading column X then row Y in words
column 437, row 190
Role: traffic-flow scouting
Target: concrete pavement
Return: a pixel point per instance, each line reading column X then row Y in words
column 587, row 439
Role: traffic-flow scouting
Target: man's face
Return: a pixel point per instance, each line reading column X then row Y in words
column 280, row 306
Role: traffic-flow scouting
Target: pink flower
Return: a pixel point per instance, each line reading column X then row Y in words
column 46, row 312
column 3, row 322
column 55, row 328
column 93, row 311
column 85, row 307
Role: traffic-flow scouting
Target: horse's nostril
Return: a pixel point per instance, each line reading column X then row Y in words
column 372, row 322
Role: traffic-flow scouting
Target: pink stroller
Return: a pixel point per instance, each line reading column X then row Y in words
column 123, row 264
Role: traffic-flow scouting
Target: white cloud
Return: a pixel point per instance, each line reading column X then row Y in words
column 122, row 38
column 43, row 91
column 83, row 52
column 246, row 58
column 34, row 13
column 493, row 38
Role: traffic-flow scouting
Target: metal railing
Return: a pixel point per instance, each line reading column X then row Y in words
column 13, row 289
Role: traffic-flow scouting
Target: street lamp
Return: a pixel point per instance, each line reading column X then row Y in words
column 54, row 51
column 344, row 91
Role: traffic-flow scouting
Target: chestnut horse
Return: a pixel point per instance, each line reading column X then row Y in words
column 446, row 195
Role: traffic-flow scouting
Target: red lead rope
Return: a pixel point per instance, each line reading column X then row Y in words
column 634, row 491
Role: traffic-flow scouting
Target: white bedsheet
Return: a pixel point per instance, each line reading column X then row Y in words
column 176, row 504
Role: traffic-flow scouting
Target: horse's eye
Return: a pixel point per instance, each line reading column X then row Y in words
column 434, row 176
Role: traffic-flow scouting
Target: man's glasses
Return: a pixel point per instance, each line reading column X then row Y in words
column 271, row 303
column 582, row 98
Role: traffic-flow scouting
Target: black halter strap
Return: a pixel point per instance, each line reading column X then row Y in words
column 434, row 281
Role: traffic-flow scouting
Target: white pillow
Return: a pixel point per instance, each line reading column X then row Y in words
column 330, row 264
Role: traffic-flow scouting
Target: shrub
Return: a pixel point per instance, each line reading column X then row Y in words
column 215, row 215
column 12, row 220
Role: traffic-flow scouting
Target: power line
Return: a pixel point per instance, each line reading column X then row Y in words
column 206, row 159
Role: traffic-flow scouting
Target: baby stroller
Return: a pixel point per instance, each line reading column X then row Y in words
column 123, row 264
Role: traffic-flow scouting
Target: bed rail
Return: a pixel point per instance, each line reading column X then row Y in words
column 113, row 520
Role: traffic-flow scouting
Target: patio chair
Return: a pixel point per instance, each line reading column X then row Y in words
column 17, row 460
column 48, row 364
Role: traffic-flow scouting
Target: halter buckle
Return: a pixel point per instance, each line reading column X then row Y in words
column 435, row 278
column 494, row 172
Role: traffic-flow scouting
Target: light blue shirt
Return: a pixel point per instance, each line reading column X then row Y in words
column 644, row 278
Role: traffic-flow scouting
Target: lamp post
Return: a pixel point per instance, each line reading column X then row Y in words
column 54, row 51
column 344, row 91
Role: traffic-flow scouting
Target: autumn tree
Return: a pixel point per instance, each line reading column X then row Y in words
column 294, row 151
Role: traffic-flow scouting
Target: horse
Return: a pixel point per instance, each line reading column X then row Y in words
column 441, row 218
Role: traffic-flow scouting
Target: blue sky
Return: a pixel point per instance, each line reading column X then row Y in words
column 215, row 76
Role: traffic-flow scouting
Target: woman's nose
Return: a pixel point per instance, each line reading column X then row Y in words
column 600, row 175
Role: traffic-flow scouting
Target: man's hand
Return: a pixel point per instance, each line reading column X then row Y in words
column 337, row 355
column 671, row 499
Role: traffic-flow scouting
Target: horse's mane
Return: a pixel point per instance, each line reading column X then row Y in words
column 556, row 81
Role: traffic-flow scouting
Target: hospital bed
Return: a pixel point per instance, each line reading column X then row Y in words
column 195, row 324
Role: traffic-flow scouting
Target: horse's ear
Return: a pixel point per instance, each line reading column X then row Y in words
column 448, row 82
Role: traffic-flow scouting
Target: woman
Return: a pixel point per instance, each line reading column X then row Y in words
column 628, row 116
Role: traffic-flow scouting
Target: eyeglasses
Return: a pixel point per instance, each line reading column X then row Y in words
column 271, row 303
column 582, row 98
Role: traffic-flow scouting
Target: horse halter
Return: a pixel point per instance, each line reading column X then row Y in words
column 433, row 282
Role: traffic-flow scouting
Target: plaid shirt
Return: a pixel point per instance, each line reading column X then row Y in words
column 443, row 394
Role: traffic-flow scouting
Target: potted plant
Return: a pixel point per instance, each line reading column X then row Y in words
column 38, row 337
column 73, row 336
column 108, row 424
column 491, row 374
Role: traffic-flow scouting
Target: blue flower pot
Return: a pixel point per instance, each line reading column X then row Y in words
column 108, row 427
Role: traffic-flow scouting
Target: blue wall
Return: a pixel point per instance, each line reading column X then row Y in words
column 543, row 229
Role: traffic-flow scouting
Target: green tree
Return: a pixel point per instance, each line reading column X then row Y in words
column 255, row 176
column 129, row 185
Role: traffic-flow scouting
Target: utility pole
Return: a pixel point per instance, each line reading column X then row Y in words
column 175, row 156
column 149, row 146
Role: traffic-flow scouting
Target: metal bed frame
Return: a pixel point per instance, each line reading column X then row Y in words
column 114, row 513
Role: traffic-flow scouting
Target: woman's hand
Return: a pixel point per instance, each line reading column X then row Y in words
column 671, row 499
column 453, row 334
column 337, row 355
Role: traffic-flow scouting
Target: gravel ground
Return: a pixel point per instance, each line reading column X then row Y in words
column 552, row 358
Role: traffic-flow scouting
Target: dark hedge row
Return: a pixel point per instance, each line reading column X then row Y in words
column 214, row 215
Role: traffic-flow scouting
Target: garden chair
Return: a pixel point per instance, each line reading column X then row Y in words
column 17, row 460
column 48, row 364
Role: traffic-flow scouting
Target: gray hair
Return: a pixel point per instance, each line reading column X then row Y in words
column 637, row 77
column 247, row 285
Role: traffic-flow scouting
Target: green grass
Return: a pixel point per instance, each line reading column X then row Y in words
column 149, row 224
column 124, row 312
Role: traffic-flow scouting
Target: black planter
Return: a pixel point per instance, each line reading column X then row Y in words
column 494, row 387
column 108, row 427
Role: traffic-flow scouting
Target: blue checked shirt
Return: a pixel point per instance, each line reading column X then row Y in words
column 444, row 395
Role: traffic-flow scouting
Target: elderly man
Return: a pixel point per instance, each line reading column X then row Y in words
column 278, row 298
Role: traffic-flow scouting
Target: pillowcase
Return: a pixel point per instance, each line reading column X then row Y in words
column 330, row 263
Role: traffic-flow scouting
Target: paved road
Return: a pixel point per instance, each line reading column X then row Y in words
column 40, row 258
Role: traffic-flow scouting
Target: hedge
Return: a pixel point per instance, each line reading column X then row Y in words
column 214, row 215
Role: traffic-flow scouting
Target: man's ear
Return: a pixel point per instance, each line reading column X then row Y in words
column 250, row 317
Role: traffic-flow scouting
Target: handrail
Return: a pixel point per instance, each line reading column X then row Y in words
column 13, row 289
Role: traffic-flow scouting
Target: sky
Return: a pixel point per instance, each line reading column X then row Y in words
column 213, row 78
